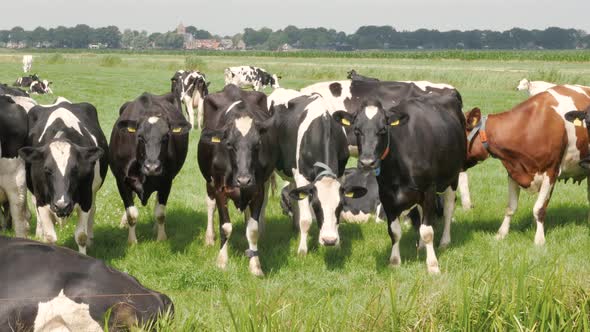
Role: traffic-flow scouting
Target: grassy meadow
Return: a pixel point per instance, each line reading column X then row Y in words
column 485, row 284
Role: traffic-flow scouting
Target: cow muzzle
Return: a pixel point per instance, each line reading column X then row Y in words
column 244, row 181
column 152, row 168
column 62, row 208
column 367, row 163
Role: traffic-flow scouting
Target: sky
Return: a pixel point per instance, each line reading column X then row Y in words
column 227, row 17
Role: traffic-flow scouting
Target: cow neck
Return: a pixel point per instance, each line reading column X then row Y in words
column 481, row 129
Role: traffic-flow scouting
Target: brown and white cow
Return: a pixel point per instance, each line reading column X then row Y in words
column 536, row 145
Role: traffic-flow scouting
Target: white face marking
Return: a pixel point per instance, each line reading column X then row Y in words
column 244, row 124
column 60, row 151
column 232, row 106
column 63, row 314
column 153, row 119
column 371, row 111
column 328, row 193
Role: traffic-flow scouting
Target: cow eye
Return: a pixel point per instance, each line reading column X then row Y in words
column 357, row 132
column 48, row 171
column 382, row 131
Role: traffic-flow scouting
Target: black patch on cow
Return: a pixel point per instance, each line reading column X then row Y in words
column 336, row 89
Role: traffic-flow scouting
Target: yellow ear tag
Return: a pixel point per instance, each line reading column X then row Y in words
column 345, row 122
column 577, row 122
column 215, row 139
column 131, row 129
column 302, row 195
column 394, row 123
column 474, row 122
column 176, row 130
column 349, row 195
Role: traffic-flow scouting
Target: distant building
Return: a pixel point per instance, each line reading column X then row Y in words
column 240, row 45
column 207, row 44
column 180, row 29
column 226, row 44
column 285, row 48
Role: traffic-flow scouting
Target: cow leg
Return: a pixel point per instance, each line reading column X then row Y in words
column 513, row 193
column 91, row 214
column 188, row 102
column 588, row 195
column 200, row 113
column 38, row 228
column 394, row 228
column 160, row 211
column 427, row 232
column 303, row 214
column 45, row 218
column 252, row 233
column 81, row 233
column 225, row 228
column 464, row 191
column 262, row 219
column 17, row 202
column 540, row 208
column 210, row 234
column 449, row 209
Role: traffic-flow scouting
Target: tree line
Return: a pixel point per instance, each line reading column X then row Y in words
column 366, row 37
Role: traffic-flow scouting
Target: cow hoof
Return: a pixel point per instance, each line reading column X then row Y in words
column 255, row 268
column 82, row 250
column 132, row 242
column 433, row 269
column 162, row 237
column 395, row 261
column 302, row 252
column 539, row 242
column 444, row 245
column 500, row 236
column 209, row 241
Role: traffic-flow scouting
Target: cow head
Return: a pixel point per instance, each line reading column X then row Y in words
column 63, row 167
column 326, row 195
column 241, row 139
column 40, row 87
column 350, row 74
column 274, row 82
column 577, row 118
column 153, row 134
column 524, row 84
column 371, row 127
column 476, row 152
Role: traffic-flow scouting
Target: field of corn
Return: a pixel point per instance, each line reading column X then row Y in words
column 485, row 284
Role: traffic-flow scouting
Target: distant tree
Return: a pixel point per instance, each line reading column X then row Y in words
column 170, row 40
column 17, row 34
column 255, row 38
column 110, row 36
column 40, row 35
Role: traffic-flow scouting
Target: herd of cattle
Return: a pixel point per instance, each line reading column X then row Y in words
column 412, row 140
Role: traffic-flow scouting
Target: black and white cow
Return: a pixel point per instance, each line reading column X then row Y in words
column 348, row 96
column 40, row 87
column 249, row 76
column 312, row 156
column 191, row 87
column 26, row 81
column 67, row 159
column 353, row 75
column 27, row 63
column 7, row 90
column 13, row 185
column 418, row 148
column 48, row 288
column 237, row 157
column 149, row 143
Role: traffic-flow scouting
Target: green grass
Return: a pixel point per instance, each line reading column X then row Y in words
column 485, row 284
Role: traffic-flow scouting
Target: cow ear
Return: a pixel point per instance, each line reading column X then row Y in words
column 301, row 192
column 355, row 192
column 180, row 128
column 264, row 126
column 344, row 118
column 212, row 136
column 396, row 118
column 91, row 154
column 472, row 118
column 576, row 117
column 128, row 125
column 30, row 154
